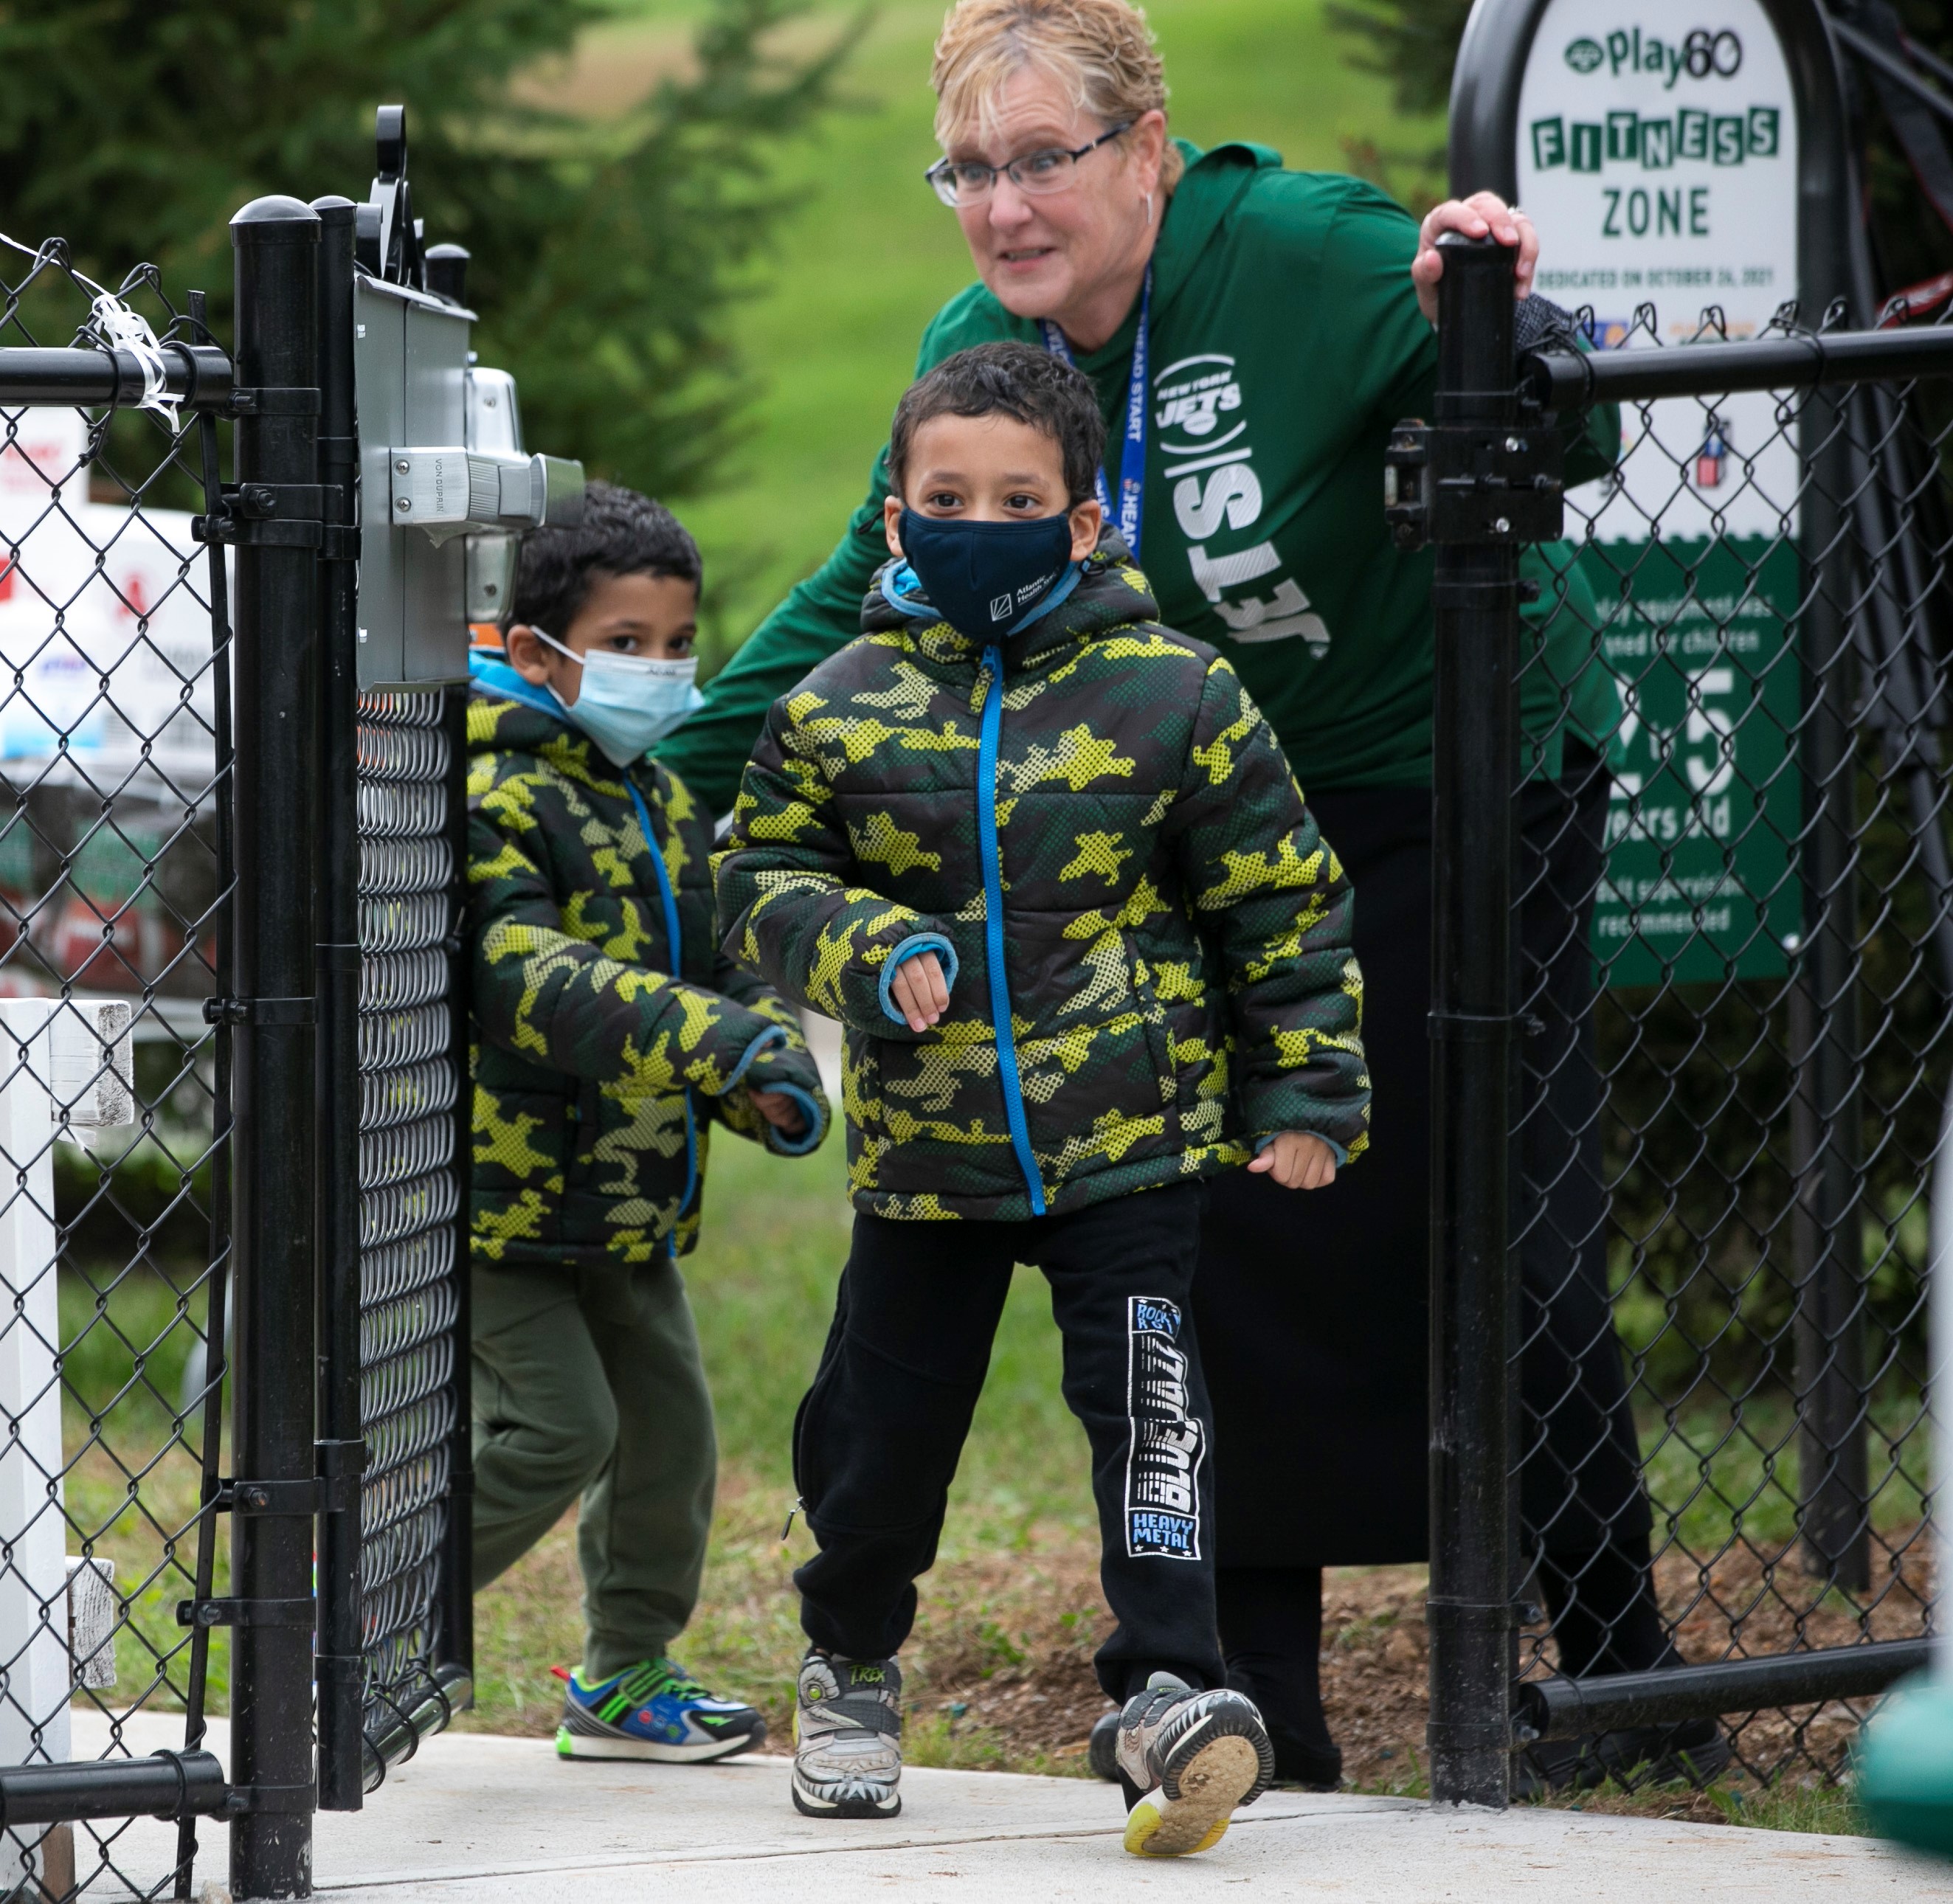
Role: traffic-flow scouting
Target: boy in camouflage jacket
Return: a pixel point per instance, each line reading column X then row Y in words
column 610, row 1031
column 1059, row 884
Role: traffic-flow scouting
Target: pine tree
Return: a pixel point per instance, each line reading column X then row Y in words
column 605, row 256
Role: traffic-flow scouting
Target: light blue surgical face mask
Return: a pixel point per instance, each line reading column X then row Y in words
column 628, row 702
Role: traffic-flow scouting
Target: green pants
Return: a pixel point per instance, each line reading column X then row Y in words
column 588, row 1383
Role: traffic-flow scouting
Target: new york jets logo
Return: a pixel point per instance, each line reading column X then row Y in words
column 1585, row 55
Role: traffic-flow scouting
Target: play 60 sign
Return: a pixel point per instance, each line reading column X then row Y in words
column 1657, row 155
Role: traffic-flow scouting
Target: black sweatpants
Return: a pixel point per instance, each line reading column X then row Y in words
column 878, row 1434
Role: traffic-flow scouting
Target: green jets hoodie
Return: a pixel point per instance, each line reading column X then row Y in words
column 1286, row 341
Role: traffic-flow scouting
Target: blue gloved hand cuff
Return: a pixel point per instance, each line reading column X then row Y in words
column 772, row 1037
column 809, row 1106
column 1336, row 1150
column 913, row 947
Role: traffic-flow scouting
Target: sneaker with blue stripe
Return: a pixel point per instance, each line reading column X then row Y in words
column 653, row 1709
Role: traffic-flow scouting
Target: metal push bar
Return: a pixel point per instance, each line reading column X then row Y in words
column 1566, row 1708
column 1571, row 379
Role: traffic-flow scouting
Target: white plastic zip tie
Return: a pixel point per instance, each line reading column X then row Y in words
column 129, row 330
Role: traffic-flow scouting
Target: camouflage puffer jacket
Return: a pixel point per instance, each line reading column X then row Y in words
column 1147, row 938
column 594, row 1050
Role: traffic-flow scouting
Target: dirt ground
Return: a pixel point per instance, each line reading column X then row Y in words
column 1374, row 1655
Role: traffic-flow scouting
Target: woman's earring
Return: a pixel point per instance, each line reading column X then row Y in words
column 1150, row 209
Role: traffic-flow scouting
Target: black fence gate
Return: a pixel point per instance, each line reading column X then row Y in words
column 1692, row 1008
column 1708, row 995
column 232, row 1016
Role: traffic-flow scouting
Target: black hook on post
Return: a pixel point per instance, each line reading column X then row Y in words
column 388, row 235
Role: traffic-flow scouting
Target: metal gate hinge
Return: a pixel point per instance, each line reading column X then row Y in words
column 236, row 532
column 340, row 1465
column 268, row 1497
column 246, row 1613
column 297, row 400
column 258, row 1012
column 1473, row 484
column 288, row 502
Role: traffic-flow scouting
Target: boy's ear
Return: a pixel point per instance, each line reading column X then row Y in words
column 892, row 523
column 1087, row 520
column 526, row 654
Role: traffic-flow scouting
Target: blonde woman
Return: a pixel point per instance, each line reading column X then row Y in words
column 1252, row 334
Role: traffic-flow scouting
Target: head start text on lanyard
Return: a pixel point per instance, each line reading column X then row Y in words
column 1130, row 514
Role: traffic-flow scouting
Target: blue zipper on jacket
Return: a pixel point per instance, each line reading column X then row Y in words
column 674, row 964
column 993, row 929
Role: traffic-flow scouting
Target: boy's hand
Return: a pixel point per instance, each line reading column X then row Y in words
column 920, row 990
column 1300, row 1161
column 780, row 1111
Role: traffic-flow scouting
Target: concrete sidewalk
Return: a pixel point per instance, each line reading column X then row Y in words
column 484, row 1820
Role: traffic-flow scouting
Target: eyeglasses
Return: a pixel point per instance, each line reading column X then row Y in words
column 963, row 182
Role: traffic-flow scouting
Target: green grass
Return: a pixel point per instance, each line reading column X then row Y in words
column 132, row 1489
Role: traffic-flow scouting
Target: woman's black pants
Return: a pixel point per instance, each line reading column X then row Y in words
column 1314, row 1319
column 878, row 1434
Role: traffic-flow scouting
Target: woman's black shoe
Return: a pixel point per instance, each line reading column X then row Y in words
column 1696, row 1750
column 1102, row 1755
column 1314, row 1767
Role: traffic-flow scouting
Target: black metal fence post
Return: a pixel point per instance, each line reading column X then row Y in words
column 1476, row 747
column 1832, row 1486
column 342, row 1665
column 277, row 242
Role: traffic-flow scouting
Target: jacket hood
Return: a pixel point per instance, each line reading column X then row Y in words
column 526, row 718
column 506, row 714
column 1208, row 189
column 1111, row 592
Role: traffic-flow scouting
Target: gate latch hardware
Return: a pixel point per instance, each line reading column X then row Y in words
column 245, row 1613
column 1473, row 484
column 448, row 490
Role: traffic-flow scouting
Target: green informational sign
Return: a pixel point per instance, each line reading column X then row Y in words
column 1701, row 881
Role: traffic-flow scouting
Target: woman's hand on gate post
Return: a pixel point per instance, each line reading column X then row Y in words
column 1483, row 214
column 1299, row 1161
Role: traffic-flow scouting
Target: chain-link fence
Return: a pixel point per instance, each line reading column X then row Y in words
column 1712, row 826
column 1733, row 983
column 178, row 905
column 114, row 1229
column 413, row 1352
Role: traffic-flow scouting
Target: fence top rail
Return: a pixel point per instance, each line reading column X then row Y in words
column 199, row 376
column 1572, row 379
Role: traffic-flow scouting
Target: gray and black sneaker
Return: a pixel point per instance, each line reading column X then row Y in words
column 1193, row 1757
column 847, row 1738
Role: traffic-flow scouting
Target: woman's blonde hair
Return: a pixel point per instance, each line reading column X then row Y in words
column 1102, row 50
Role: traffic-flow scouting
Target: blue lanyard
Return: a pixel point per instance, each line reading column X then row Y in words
column 1131, row 513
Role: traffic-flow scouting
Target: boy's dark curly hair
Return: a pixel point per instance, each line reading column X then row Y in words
column 621, row 533
column 1014, row 380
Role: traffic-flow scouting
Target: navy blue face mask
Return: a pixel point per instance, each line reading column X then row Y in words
column 987, row 579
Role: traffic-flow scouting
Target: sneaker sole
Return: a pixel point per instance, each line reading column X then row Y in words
column 856, row 1808
column 1212, row 1783
column 583, row 1745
